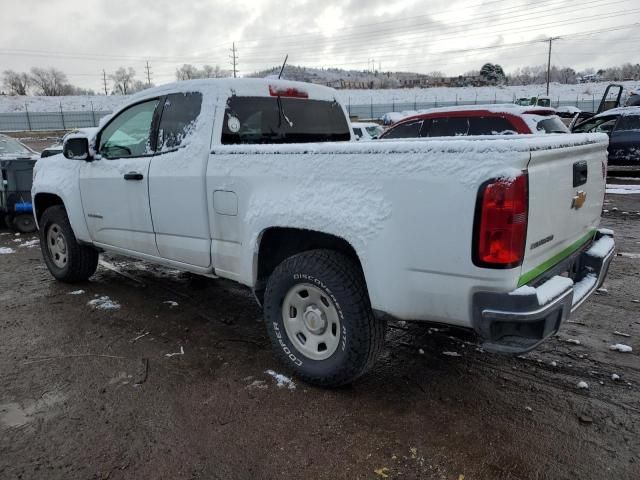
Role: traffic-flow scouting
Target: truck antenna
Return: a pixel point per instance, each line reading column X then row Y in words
column 283, row 64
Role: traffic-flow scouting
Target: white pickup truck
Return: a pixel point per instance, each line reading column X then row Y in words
column 259, row 181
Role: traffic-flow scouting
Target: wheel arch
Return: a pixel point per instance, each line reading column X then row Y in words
column 44, row 200
column 275, row 244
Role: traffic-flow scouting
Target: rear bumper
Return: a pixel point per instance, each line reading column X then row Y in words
column 519, row 321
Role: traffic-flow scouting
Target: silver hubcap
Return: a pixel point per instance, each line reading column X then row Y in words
column 311, row 321
column 57, row 246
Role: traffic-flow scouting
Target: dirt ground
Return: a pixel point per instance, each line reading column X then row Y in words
column 90, row 393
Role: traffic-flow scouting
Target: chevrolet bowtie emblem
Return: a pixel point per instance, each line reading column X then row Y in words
column 578, row 199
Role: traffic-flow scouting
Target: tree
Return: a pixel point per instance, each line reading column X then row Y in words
column 567, row 75
column 16, row 83
column 214, row 72
column 493, row 74
column 123, row 80
column 187, row 72
column 50, row 82
column 138, row 86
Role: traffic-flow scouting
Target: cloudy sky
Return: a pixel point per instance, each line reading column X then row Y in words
column 83, row 37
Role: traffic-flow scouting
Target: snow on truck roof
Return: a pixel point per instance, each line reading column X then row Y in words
column 244, row 87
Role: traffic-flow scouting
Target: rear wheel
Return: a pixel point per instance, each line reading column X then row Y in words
column 67, row 260
column 24, row 223
column 319, row 318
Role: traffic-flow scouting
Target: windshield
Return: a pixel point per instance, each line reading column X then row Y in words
column 11, row 146
column 552, row 125
column 375, row 132
column 600, row 124
column 283, row 120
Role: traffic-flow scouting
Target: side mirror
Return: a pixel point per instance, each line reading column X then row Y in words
column 77, row 148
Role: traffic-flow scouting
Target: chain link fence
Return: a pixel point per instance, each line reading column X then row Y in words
column 65, row 120
column 24, row 121
column 377, row 110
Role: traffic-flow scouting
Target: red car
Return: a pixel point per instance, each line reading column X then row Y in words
column 477, row 120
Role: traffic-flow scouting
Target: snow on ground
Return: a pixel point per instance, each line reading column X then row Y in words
column 558, row 92
column 623, row 189
column 281, row 380
column 6, row 250
column 621, row 347
column 103, row 303
column 30, row 243
column 181, row 352
column 76, row 292
column 565, row 93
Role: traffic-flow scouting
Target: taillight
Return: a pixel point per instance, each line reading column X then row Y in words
column 287, row 92
column 500, row 231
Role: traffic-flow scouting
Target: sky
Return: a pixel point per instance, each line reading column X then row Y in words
column 85, row 37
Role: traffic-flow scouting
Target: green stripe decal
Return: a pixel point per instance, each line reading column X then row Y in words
column 558, row 257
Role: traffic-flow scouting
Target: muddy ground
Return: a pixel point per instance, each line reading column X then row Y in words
column 89, row 393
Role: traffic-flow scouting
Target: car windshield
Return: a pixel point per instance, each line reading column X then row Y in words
column 552, row 124
column 11, row 146
column 596, row 125
column 375, row 132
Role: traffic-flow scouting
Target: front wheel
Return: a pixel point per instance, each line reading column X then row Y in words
column 67, row 260
column 319, row 318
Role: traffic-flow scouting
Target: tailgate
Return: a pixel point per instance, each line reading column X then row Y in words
column 566, row 194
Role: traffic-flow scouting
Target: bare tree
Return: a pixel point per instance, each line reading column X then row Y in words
column 123, row 80
column 187, row 72
column 50, row 82
column 16, row 83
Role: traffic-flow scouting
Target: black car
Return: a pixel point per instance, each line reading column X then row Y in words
column 623, row 127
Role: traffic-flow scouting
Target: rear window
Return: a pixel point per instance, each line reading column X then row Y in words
column 628, row 123
column 552, row 125
column 283, row 120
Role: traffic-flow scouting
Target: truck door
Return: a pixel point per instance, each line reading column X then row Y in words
column 177, row 180
column 114, row 187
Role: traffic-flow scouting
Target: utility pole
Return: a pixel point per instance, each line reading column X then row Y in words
column 551, row 39
column 148, row 69
column 234, row 59
column 104, row 81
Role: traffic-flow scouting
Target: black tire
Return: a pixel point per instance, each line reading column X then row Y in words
column 24, row 223
column 81, row 260
column 361, row 334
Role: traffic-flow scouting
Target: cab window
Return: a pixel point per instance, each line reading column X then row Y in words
column 405, row 130
column 490, row 126
column 129, row 133
column 179, row 114
column 449, row 127
column 628, row 123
